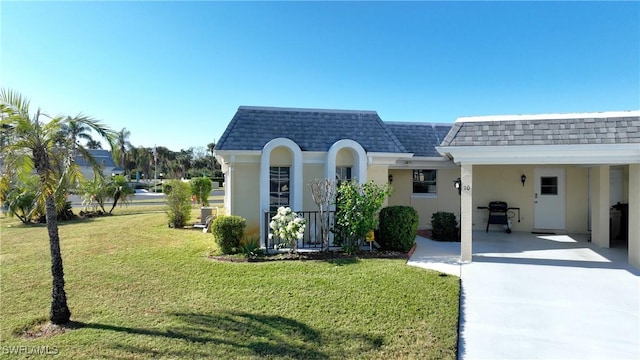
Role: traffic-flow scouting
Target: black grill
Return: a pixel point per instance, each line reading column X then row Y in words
column 498, row 206
column 499, row 212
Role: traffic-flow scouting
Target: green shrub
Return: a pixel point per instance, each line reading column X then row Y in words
column 201, row 188
column 357, row 212
column 228, row 232
column 66, row 212
column 444, row 226
column 398, row 228
column 178, row 204
column 250, row 247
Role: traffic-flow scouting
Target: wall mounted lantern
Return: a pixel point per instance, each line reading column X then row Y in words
column 457, row 183
column 390, row 178
column 523, row 178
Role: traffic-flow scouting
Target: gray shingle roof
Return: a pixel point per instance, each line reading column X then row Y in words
column 312, row 129
column 420, row 138
column 560, row 131
column 101, row 157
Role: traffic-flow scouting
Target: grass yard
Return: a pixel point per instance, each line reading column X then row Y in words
column 141, row 290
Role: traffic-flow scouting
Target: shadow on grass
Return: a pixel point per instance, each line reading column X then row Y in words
column 239, row 334
column 343, row 261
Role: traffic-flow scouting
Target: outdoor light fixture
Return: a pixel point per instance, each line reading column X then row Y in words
column 390, row 178
column 457, row 183
column 523, row 178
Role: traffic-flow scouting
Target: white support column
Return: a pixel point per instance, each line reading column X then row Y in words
column 600, row 206
column 466, row 212
column 634, row 215
column 228, row 189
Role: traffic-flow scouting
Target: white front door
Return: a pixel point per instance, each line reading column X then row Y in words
column 549, row 198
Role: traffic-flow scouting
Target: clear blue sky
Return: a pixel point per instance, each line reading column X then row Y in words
column 174, row 73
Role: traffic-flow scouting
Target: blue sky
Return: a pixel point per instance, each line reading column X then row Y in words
column 174, row 73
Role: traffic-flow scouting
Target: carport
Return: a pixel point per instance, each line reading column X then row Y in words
column 539, row 296
column 558, row 168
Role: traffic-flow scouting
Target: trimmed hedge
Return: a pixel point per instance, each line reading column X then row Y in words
column 398, row 228
column 228, row 232
column 444, row 226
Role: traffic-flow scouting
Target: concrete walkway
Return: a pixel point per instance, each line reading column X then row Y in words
column 528, row 296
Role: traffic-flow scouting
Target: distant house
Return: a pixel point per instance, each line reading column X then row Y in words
column 562, row 171
column 104, row 160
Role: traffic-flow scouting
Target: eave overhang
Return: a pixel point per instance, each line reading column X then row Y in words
column 584, row 154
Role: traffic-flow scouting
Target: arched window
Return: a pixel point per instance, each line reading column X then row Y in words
column 338, row 161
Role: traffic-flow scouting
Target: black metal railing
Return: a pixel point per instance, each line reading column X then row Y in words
column 312, row 238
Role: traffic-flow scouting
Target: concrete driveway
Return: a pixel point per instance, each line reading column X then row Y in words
column 528, row 296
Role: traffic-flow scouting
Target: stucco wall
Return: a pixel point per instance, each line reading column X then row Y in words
column 345, row 158
column 246, row 194
column 577, row 214
column 310, row 172
column 625, row 184
column 446, row 199
column 502, row 183
column 280, row 156
column 379, row 174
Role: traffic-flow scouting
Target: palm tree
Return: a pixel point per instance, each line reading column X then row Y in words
column 93, row 144
column 33, row 146
column 73, row 130
column 212, row 147
column 122, row 145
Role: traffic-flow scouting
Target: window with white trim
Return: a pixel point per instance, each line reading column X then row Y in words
column 279, row 187
column 424, row 182
column 343, row 173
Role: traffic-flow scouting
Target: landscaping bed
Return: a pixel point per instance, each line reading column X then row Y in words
column 313, row 255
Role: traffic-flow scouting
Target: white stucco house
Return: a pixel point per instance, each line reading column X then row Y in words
column 562, row 171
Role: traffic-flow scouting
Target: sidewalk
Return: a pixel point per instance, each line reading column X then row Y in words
column 437, row 255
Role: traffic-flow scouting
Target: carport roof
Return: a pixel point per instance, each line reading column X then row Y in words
column 551, row 129
column 587, row 139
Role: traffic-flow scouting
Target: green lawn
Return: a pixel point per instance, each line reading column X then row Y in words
column 142, row 290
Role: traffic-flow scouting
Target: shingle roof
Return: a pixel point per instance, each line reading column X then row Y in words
column 420, row 138
column 312, row 129
column 553, row 130
column 101, row 157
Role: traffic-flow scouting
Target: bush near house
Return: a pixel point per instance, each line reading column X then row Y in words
column 398, row 227
column 228, row 232
column 357, row 212
column 178, row 203
column 444, row 226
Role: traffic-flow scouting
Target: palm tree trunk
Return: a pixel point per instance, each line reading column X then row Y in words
column 60, row 313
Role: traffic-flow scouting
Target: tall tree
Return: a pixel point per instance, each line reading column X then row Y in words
column 212, row 147
column 93, row 144
column 122, row 144
column 33, row 147
column 72, row 130
column 184, row 159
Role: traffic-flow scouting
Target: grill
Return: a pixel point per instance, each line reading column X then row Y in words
column 500, row 213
